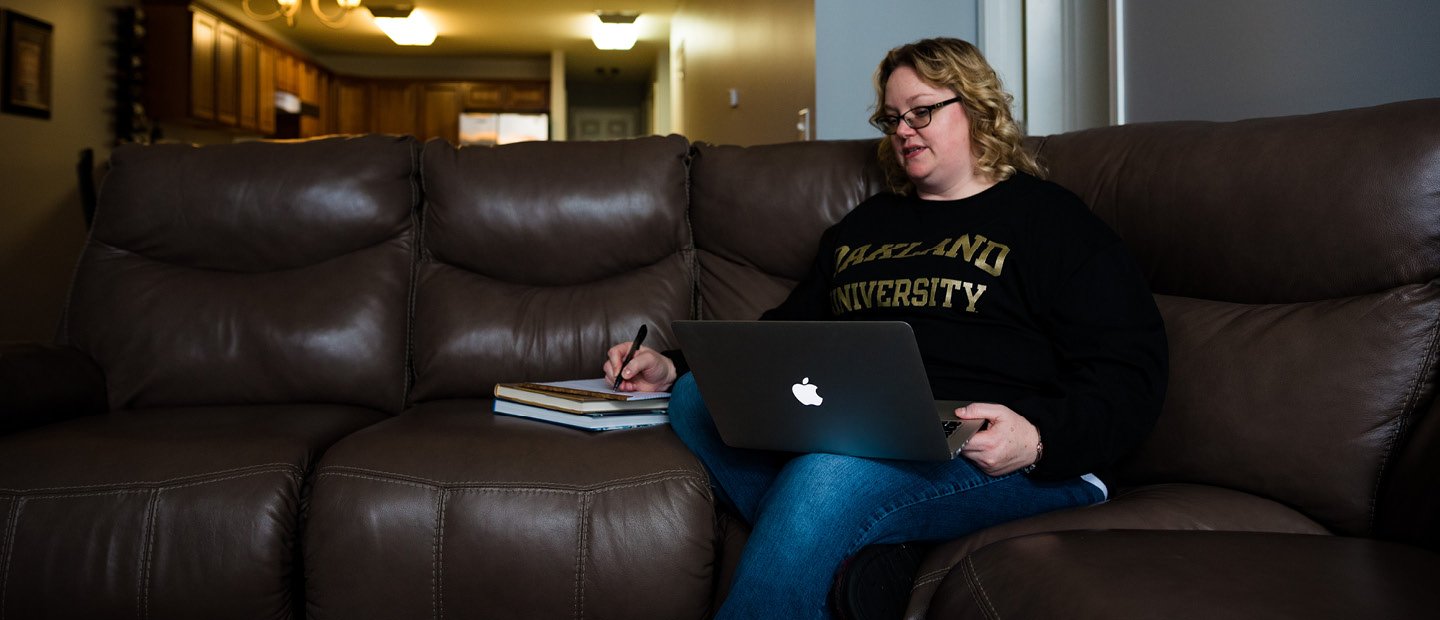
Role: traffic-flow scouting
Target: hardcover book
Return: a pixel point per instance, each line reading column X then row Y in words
column 614, row 421
column 591, row 396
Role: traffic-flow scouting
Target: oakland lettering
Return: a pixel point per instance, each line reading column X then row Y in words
column 985, row 254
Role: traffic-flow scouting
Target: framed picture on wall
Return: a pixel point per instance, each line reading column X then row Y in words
column 28, row 57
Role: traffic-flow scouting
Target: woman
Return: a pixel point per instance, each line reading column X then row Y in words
column 1020, row 299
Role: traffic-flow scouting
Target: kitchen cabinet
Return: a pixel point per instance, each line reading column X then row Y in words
column 508, row 96
column 442, row 105
column 352, row 106
column 314, row 89
column 204, row 31
column 227, row 75
column 395, row 107
column 205, row 71
column 265, row 89
column 443, row 102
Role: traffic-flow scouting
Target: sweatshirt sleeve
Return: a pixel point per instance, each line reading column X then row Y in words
column 1113, row 366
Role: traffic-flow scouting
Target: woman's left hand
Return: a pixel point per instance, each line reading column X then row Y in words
column 1006, row 445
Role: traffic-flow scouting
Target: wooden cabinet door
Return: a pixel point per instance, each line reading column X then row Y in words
column 202, row 66
column 352, row 106
column 265, row 84
column 529, row 97
column 227, row 79
column 394, row 108
column 325, row 123
column 249, row 83
column 443, row 104
column 312, row 87
column 487, row 96
column 286, row 66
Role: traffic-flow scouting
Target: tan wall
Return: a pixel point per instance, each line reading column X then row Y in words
column 41, row 226
column 764, row 49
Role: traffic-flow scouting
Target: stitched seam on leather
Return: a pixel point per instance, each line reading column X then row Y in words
column 929, row 578
column 582, row 544
column 982, row 598
column 1408, row 412
column 417, row 220
column 692, row 262
column 660, row 476
column 140, row 486
column 11, row 524
column 147, row 554
column 437, row 588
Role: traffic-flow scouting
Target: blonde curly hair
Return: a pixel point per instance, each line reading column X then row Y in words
column 959, row 66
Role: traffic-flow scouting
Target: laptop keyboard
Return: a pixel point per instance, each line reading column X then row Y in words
column 950, row 426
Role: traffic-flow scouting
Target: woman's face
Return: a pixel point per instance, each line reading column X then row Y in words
column 938, row 158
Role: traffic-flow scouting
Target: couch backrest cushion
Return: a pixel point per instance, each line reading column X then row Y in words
column 1271, row 210
column 539, row 256
column 759, row 211
column 1294, row 261
column 265, row 272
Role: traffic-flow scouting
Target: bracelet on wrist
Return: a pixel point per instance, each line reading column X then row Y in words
column 1039, row 454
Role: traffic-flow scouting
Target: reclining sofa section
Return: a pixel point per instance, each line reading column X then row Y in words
column 535, row 258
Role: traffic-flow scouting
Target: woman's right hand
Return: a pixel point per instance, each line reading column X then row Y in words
column 649, row 371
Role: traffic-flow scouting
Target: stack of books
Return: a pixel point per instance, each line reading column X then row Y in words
column 590, row 404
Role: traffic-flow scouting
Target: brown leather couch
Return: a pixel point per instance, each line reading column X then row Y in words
column 269, row 397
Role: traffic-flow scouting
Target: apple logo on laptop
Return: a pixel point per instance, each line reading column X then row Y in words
column 805, row 393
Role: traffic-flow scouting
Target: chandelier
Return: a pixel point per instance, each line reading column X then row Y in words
column 288, row 9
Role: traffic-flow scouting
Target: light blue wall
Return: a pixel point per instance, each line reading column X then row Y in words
column 851, row 36
column 1234, row 59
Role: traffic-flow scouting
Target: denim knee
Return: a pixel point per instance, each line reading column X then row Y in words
column 815, row 487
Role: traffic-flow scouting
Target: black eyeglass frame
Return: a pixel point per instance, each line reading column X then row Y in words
column 917, row 117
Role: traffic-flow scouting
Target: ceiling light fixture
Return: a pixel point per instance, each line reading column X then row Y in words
column 615, row 31
column 288, row 9
column 403, row 24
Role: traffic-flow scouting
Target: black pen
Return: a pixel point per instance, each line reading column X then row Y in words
column 634, row 346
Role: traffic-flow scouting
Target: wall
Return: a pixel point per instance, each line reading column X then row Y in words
column 41, row 226
column 763, row 49
column 851, row 38
column 1234, row 59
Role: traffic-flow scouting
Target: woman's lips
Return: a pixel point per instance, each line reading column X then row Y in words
column 910, row 151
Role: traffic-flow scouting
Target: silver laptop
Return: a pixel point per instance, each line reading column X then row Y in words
column 844, row 387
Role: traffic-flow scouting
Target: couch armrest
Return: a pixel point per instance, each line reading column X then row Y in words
column 1190, row 574
column 42, row 384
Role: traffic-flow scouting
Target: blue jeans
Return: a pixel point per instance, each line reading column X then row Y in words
column 809, row 512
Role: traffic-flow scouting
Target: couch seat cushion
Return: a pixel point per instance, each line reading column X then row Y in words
column 451, row 511
column 1158, row 507
column 1183, row 575
column 167, row 513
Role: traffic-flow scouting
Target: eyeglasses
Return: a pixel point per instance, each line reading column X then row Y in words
column 916, row 118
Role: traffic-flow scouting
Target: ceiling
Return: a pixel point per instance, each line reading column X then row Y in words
column 488, row 29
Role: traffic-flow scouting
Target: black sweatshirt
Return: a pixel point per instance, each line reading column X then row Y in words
column 1018, row 295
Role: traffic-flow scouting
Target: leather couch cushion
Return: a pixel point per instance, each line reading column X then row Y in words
column 540, row 256
column 758, row 213
column 450, row 511
column 1271, row 399
column 171, row 513
column 1296, row 289
column 1185, row 575
column 250, row 273
column 1158, row 507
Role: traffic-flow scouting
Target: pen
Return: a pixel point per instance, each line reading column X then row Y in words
column 634, row 346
